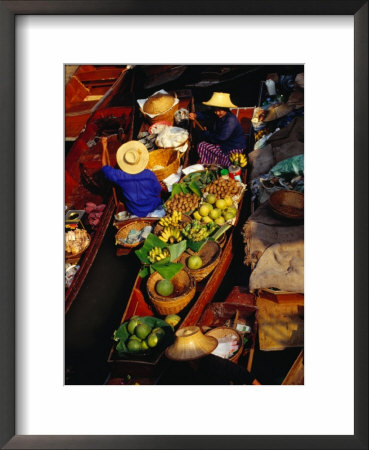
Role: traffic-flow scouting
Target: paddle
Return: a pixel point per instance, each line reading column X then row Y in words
column 104, row 142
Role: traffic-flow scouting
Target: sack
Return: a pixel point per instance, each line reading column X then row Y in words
column 290, row 167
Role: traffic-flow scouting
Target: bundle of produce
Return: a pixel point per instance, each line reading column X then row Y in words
column 142, row 334
column 218, row 211
column 238, row 159
column 223, row 187
column 182, row 203
column 197, row 232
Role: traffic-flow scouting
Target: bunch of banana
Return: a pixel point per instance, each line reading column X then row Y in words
column 238, row 159
column 173, row 220
column 171, row 235
column 196, row 231
column 157, row 254
column 259, row 134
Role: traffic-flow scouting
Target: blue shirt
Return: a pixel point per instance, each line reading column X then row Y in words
column 141, row 190
column 226, row 132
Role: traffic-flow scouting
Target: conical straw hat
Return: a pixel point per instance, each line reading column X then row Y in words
column 191, row 344
column 220, row 99
column 132, row 157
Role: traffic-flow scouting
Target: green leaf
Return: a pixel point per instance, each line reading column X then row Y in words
column 195, row 188
column 144, row 272
column 121, row 347
column 121, row 333
column 150, row 242
column 162, row 261
column 176, row 250
column 185, row 189
column 220, row 232
column 168, row 271
column 176, row 189
column 195, row 246
column 152, row 270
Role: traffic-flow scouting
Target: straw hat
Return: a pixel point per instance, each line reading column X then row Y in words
column 191, row 344
column 220, row 99
column 132, row 157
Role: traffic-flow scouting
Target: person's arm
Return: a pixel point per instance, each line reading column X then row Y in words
column 104, row 157
column 223, row 133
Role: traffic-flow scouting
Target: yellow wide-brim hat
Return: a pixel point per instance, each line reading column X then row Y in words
column 190, row 344
column 132, row 157
column 220, row 99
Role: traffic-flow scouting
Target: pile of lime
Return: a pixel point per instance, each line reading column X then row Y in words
column 142, row 336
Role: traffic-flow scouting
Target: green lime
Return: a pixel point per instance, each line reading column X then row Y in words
column 144, row 345
column 142, row 330
column 134, row 345
column 164, row 287
column 152, row 340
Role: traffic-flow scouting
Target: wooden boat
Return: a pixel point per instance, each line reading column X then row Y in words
column 84, row 182
column 157, row 75
column 88, row 90
column 139, row 304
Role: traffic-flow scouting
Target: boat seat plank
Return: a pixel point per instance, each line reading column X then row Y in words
column 99, row 75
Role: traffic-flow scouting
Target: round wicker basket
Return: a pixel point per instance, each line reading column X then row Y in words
column 126, row 228
column 184, row 291
column 210, row 255
column 72, row 257
column 166, row 116
column 167, row 158
column 221, row 332
column 287, row 204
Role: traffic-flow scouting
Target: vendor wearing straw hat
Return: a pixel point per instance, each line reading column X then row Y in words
column 140, row 187
column 226, row 134
column 196, row 365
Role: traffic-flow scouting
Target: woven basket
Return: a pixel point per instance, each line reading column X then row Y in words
column 287, row 204
column 167, row 116
column 125, row 229
column 72, row 257
column 210, row 254
column 221, row 332
column 168, row 158
column 184, row 221
column 184, row 291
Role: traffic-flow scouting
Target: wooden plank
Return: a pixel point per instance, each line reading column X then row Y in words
column 295, row 375
column 99, row 74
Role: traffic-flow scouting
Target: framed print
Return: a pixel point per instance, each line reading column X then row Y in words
column 31, row 176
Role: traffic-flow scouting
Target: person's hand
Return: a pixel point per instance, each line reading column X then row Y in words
column 192, row 116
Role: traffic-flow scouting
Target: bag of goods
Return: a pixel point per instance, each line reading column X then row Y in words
column 172, row 137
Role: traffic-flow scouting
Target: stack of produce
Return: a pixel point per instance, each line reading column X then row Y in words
column 238, row 159
column 223, row 187
column 157, row 254
column 141, row 334
column 182, row 203
column 218, row 211
column 196, row 231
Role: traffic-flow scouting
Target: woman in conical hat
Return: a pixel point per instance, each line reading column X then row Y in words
column 140, row 187
column 225, row 135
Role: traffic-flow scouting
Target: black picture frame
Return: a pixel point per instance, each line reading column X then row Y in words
column 8, row 11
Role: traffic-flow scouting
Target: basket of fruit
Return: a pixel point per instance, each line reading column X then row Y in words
column 202, row 263
column 171, row 296
column 142, row 336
